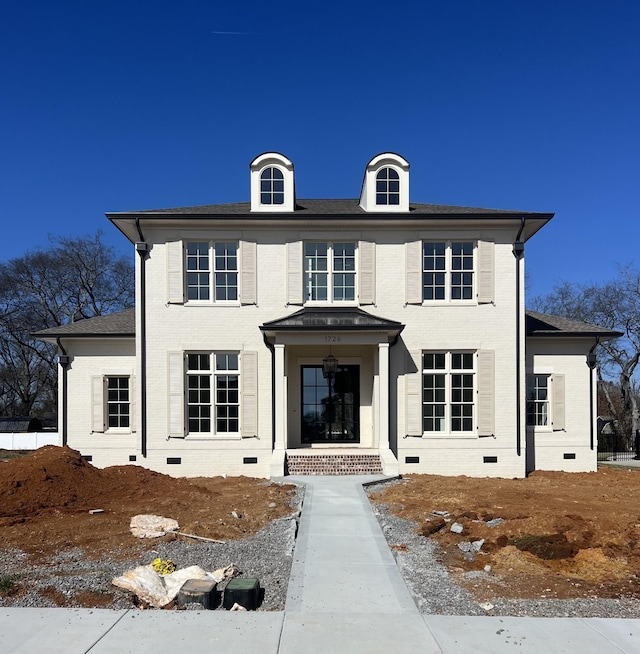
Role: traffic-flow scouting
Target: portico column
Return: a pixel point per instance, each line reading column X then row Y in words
column 280, row 393
column 383, row 395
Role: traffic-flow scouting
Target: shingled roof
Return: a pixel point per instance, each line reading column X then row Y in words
column 325, row 207
column 542, row 324
column 120, row 324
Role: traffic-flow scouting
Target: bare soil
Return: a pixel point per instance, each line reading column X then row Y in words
column 563, row 535
column 45, row 499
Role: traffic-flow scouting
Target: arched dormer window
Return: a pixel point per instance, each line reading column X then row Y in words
column 272, row 183
column 271, row 186
column 385, row 188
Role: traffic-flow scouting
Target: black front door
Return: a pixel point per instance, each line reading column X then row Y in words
column 331, row 406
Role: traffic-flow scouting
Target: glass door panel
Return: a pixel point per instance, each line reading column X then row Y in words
column 330, row 406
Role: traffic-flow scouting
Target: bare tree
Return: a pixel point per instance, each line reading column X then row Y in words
column 616, row 305
column 73, row 279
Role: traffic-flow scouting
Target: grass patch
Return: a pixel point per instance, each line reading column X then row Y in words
column 7, row 584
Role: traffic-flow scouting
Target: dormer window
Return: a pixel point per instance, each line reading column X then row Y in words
column 272, row 185
column 385, row 188
column 388, row 187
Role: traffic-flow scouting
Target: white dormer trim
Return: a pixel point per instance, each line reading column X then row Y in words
column 368, row 195
column 280, row 163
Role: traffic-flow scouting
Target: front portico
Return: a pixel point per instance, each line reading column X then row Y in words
column 331, row 382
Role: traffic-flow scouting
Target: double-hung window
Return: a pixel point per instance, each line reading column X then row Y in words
column 538, row 401
column 213, row 393
column 212, row 271
column 448, row 392
column 330, row 271
column 447, row 270
column 118, row 403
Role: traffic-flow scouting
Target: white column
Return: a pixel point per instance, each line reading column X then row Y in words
column 280, row 394
column 383, row 396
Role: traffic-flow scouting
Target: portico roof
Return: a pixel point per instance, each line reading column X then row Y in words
column 350, row 319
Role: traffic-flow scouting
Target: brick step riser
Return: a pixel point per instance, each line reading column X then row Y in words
column 334, row 465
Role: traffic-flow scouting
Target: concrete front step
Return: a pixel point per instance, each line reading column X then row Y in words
column 321, row 462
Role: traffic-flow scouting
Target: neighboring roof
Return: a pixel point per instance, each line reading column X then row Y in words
column 324, row 207
column 8, row 425
column 120, row 324
column 335, row 318
column 542, row 324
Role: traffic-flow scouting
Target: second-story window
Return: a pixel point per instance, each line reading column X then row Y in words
column 271, row 186
column 212, row 271
column 388, row 187
column 447, row 270
column 330, row 272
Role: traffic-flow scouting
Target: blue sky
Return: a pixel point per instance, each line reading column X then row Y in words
column 125, row 105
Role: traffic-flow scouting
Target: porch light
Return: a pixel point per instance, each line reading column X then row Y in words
column 329, row 366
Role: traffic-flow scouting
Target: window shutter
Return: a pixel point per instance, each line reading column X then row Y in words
column 367, row 272
column 413, row 254
column 248, row 272
column 175, row 275
column 249, row 399
column 176, row 394
column 294, row 272
column 558, row 415
column 486, row 393
column 133, row 404
column 413, row 392
column 97, row 404
column 486, row 275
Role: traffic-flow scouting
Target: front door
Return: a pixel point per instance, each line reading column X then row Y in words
column 331, row 406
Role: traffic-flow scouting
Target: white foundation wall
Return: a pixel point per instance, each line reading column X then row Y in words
column 573, row 448
column 472, row 327
column 457, row 326
column 90, row 358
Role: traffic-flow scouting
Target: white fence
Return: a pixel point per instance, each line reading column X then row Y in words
column 29, row 440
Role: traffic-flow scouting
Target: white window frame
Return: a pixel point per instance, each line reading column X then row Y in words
column 536, row 401
column 213, row 374
column 212, row 271
column 387, row 187
column 117, row 402
column 448, row 272
column 448, row 399
column 272, row 187
column 330, row 272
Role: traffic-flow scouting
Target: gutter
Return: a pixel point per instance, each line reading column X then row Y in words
column 142, row 248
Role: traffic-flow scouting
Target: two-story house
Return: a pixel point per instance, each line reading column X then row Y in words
column 283, row 332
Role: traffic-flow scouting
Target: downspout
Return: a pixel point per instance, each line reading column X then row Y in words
column 272, row 349
column 518, row 253
column 142, row 248
column 64, row 359
column 592, row 362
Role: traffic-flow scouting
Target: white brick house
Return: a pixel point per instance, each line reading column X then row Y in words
column 375, row 326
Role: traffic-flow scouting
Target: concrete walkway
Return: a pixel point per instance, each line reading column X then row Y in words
column 345, row 595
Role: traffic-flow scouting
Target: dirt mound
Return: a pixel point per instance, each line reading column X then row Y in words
column 51, row 477
column 58, row 477
column 45, row 499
